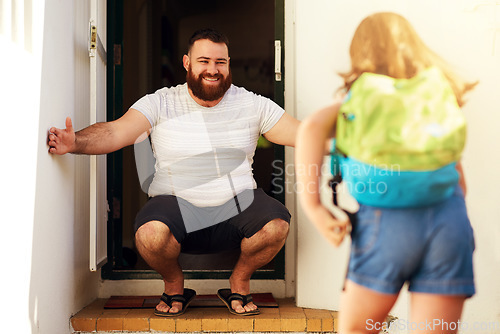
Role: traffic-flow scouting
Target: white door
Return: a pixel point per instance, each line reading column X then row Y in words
column 98, row 202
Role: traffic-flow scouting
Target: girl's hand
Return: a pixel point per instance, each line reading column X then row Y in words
column 333, row 229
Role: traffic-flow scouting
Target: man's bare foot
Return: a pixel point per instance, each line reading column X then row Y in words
column 229, row 297
column 164, row 308
column 172, row 288
column 243, row 288
column 176, row 304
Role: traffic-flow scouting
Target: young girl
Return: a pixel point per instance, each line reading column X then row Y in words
column 429, row 246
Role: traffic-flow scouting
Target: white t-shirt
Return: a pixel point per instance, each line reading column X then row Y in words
column 205, row 155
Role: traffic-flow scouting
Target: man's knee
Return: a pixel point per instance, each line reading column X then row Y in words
column 153, row 234
column 277, row 229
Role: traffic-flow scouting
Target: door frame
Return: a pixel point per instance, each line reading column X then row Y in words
column 115, row 174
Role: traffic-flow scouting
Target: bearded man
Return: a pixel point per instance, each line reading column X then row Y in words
column 203, row 197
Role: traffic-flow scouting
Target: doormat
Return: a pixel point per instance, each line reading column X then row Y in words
column 125, row 302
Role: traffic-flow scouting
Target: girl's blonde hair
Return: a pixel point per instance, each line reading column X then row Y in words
column 386, row 43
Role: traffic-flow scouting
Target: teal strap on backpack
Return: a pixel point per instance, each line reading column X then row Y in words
column 392, row 188
column 410, row 125
column 335, row 159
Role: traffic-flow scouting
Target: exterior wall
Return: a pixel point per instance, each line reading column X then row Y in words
column 464, row 34
column 20, row 67
column 45, row 234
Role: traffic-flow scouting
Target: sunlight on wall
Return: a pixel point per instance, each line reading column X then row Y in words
column 20, row 68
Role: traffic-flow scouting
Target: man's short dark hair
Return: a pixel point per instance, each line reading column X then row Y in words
column 210, row 34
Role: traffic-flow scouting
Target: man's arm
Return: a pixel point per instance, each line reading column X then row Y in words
column 100, row 138
column 284, row 131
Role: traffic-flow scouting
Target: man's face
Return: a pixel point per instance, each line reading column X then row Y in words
column 208, row 73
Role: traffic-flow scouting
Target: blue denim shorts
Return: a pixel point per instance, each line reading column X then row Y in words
column 429, row 247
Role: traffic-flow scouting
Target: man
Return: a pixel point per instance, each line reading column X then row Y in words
column 203, row 195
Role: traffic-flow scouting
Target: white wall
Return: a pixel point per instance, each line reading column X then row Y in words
column 45, row 248
column 20, row 68
column 465, row 36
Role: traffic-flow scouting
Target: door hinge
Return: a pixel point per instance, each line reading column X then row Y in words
column 117, row 54
column 277, row 60
column 108, row 210
column 116, row 208
column 95, row 43
column 92, row 39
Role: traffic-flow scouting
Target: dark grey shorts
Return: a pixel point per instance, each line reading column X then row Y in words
column 213, row 229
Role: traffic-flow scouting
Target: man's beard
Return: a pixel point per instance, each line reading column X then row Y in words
column 208, row 92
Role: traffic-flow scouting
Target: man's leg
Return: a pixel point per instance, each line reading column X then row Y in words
column 256, row 251
column 160, row 250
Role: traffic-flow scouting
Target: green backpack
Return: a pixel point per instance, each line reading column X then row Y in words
column 402, row 135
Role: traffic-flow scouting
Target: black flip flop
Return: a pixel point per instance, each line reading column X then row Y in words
column 186, row 298
column 227, row 297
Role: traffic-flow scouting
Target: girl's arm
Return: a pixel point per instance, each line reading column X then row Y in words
column 312, row 135
column 461, row 180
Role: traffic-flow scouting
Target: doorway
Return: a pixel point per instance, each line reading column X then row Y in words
column 148, row 39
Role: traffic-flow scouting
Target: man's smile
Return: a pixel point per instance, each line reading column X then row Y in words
column 211, row 79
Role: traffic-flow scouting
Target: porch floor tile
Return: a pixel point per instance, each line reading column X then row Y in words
column 286, row 318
